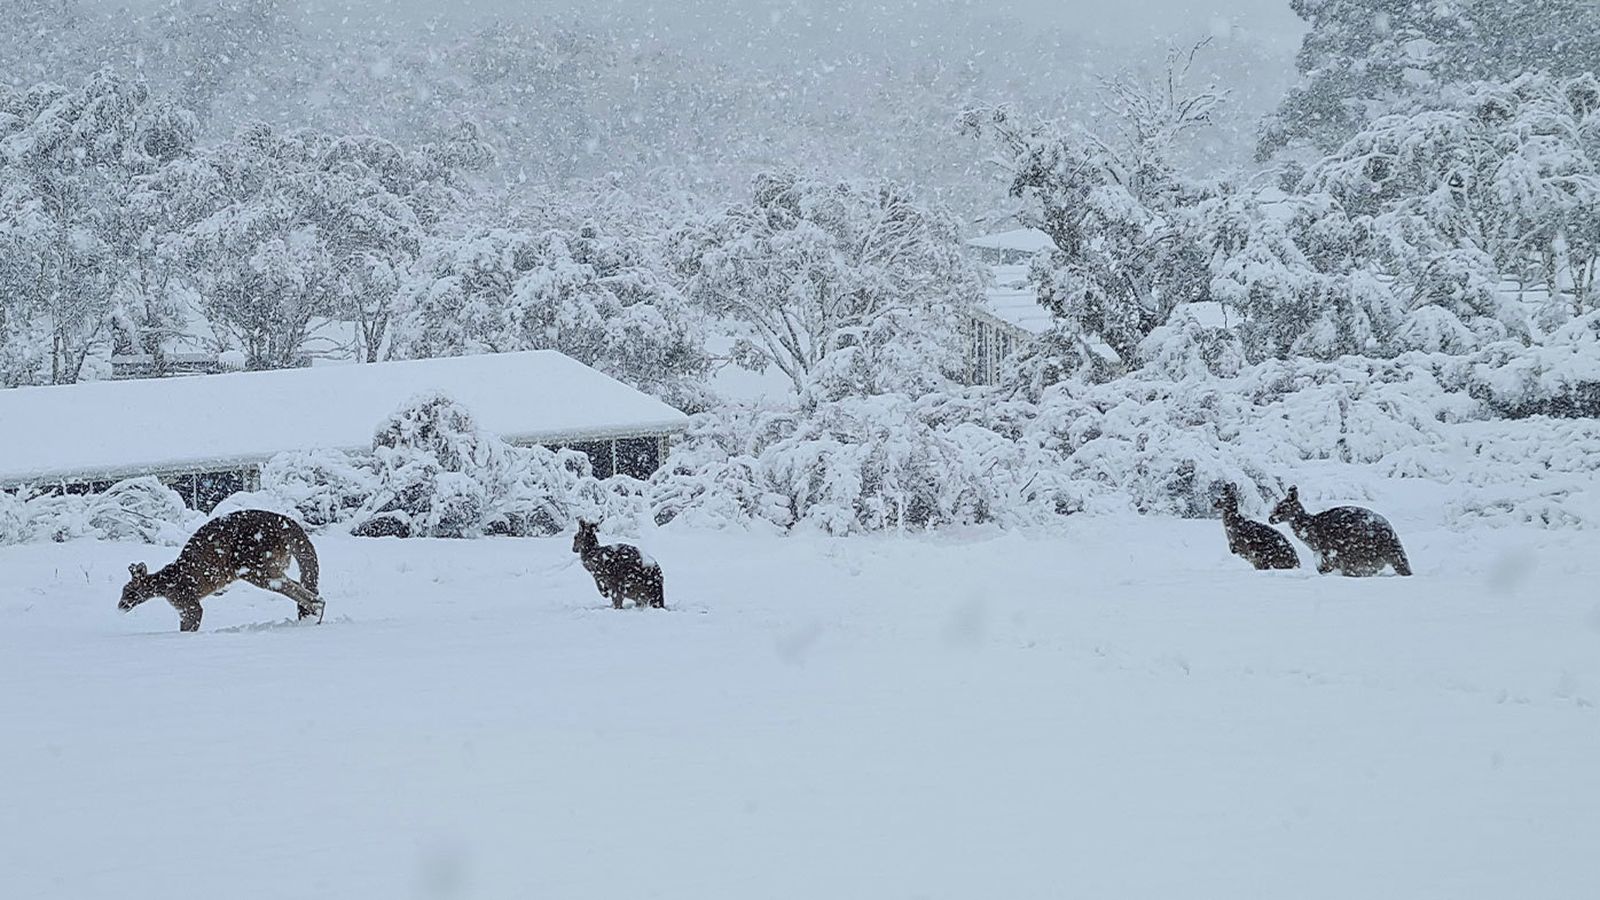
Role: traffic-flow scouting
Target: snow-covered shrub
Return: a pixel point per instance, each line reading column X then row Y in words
column 867, row 464
column 1500, row 452
column 1165, row 445
column 1559, row 378
column 711, row 479
column 320, row 487
column 857, row 464
column 1533, row 471
column 1160, row 451
column 1054, row 357
column 1146, row 442
column 623, row 503
column 433, row 472
column 536, row 491
column 139, row 509
column 433, row 468
column 1527, row 504
column 1185, row 348
column 13, row 519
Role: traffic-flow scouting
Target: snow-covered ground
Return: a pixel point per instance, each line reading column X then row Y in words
column 1117, row 710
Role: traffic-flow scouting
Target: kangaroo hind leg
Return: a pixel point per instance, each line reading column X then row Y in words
column 308, row 603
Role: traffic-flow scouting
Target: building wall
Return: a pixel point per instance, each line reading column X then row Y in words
column 638, row 457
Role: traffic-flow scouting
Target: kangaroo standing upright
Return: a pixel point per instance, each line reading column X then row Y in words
column 1262, row 545
column 620, row 571
column 251, row 545
column 1349, row 540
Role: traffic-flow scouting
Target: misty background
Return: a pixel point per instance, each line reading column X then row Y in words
column 703, row 93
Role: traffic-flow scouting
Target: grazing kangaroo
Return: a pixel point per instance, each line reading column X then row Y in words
column 620, row 571
column 1262, row 545
column 1347, row 539
column 252, row 545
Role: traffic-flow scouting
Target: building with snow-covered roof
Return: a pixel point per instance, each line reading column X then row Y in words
column 1006, row 248
column 209, row 435
column 1008, row 317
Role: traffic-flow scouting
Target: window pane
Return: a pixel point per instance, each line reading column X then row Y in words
column 638, row 457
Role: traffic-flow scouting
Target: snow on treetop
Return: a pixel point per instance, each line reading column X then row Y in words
column 111, row 429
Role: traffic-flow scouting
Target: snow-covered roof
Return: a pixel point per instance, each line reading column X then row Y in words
column 1010, row 300
column 1026, row 240
column 114, row 429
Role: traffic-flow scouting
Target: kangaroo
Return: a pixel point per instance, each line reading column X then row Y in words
column 1347, row 539
column 252, row 545
column 1263, row 546
column 620, row 571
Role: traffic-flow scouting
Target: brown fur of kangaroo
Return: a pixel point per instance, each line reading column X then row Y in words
column 251, row 545
column 620, row 571
column 1349, row 540
column 1262, row 545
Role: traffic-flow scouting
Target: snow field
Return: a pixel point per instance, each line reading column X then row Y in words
column 1121, row 709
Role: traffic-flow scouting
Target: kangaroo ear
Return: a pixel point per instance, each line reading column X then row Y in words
column 138, row 570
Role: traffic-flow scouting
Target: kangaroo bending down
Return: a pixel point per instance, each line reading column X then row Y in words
column 620, row 571
column 1347, row 539
column 1262, row 545
column 251, row 545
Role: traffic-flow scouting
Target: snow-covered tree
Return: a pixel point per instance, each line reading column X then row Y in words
column 1292, row 274
column 75, row 235
column 308, row 227
column 1496, row 180
column 569, row 283
column 1116, row 208
column 1363, row 59
column 808, row 268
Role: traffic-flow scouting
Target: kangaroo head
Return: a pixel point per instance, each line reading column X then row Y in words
column 1288, row 508
column 587, row 536
column 140, row 587
column 1228, row 498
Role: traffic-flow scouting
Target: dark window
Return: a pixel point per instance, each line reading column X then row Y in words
column 638, row 457
column 599, row 453
column 204, row 491
column 211, row 488
column 184, row 485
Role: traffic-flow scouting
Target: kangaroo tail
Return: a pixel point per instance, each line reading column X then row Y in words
column 1402, row 566
column 304, row 554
